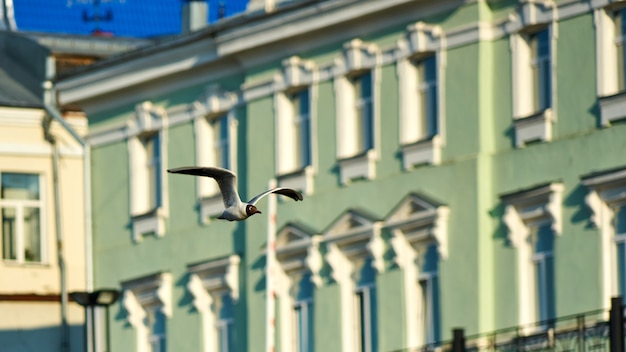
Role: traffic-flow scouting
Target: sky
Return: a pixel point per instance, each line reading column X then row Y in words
column 128, row 18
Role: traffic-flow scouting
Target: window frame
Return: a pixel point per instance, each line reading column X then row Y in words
column 19, row 205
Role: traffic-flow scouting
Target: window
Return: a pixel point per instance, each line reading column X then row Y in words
column 21, row 206
column 533, row 217
column 147, row 166
column 420, row 71
column 610, row 23
column 224, row 324
column 152, row 146
column 543, row 263
column 426, row 69
column 418, row 226
column 215, row 288
column 297, row 275
column 295, row 106
column 539, row 43
column 215, row 130
column 356, row 95
column 428, row 278
column 355, row 255
column 363, row 132
column 532, row 52
column 303, row 315
column 607, row 200
column 148, row 302
column 365, row 308
column 155, row 321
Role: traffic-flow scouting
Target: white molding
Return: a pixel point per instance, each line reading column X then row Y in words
column 216, row 276
column 606, row 192
column 38, row 149
column 142, row 294
column 423, row 152
column 612, row 108
column 523, row 211
column 537, row 127
column 362, row 166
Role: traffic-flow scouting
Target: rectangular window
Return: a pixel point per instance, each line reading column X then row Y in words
column 429, row 287
column 20, row 203
column 156, row 323
column 303, row 314
column 427, row 95
column 366, row 318
column 221, row 141
column 540, row 69
column 224, row 324
column 301, row 128
column 152, row 145
column 619, row 222
column 620, row 36
column 544, row 273
column 363, row 112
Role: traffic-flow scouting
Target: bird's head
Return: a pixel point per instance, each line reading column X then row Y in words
column 251, row 210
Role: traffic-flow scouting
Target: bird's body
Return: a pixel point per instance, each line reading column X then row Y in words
column 235, row 209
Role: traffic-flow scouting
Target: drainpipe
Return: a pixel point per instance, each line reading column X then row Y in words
column 65, row 341
column 50, row 105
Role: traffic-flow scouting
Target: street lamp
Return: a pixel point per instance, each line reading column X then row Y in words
column 89, row 300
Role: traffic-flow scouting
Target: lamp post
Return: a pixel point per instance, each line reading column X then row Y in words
column 89, row 300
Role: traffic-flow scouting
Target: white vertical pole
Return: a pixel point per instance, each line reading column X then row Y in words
column 270, row 265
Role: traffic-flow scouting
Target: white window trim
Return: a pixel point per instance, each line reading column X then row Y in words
column 606, row 190
column 364, row 240
column 146, row 220
column 43, row 233
column 612, row 102
column 213, row 103
column 412, row 231
column 420, row 39
column 206, row 280
column 295, row 74
column 525, row 210
column 357, row 56
column 294, row 258
column 531, row 125
column 151, row 292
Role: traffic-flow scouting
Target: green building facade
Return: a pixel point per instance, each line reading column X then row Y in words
column 462, row 165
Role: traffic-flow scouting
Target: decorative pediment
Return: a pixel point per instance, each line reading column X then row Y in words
column 215, row 100
column 607, row 188
column 422, row 38
column 215, row 276
column 296, row 73
column 418, row 219
column 355, row 234
column 147, row 117
column 297, row 249
column 154, row 291
column 529, row 207
column 357, row 55
column 531, row 13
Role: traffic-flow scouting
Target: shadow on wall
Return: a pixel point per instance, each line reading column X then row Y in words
column 41, row 339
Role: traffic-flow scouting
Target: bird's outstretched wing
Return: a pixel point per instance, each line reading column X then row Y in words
column 287, row 192
column 226, row 180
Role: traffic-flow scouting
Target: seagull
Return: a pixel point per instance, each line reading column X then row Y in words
column 236, row 210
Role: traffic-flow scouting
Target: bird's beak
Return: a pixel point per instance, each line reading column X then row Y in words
column 258, row 212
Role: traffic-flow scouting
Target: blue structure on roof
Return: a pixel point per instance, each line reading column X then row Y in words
column 124, row 18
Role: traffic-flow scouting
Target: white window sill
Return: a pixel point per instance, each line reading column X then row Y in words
column 426, row 151
column 536, row 127
column 301, row 180
column 150, row 222
column 210, row 207
column 612, row 108
column 359, row 166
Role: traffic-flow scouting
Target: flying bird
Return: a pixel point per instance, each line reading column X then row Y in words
column 235, row 209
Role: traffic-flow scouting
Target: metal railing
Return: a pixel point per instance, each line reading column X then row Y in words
column 594, row 331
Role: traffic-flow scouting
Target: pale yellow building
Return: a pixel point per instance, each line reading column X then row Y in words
column 42, row 244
